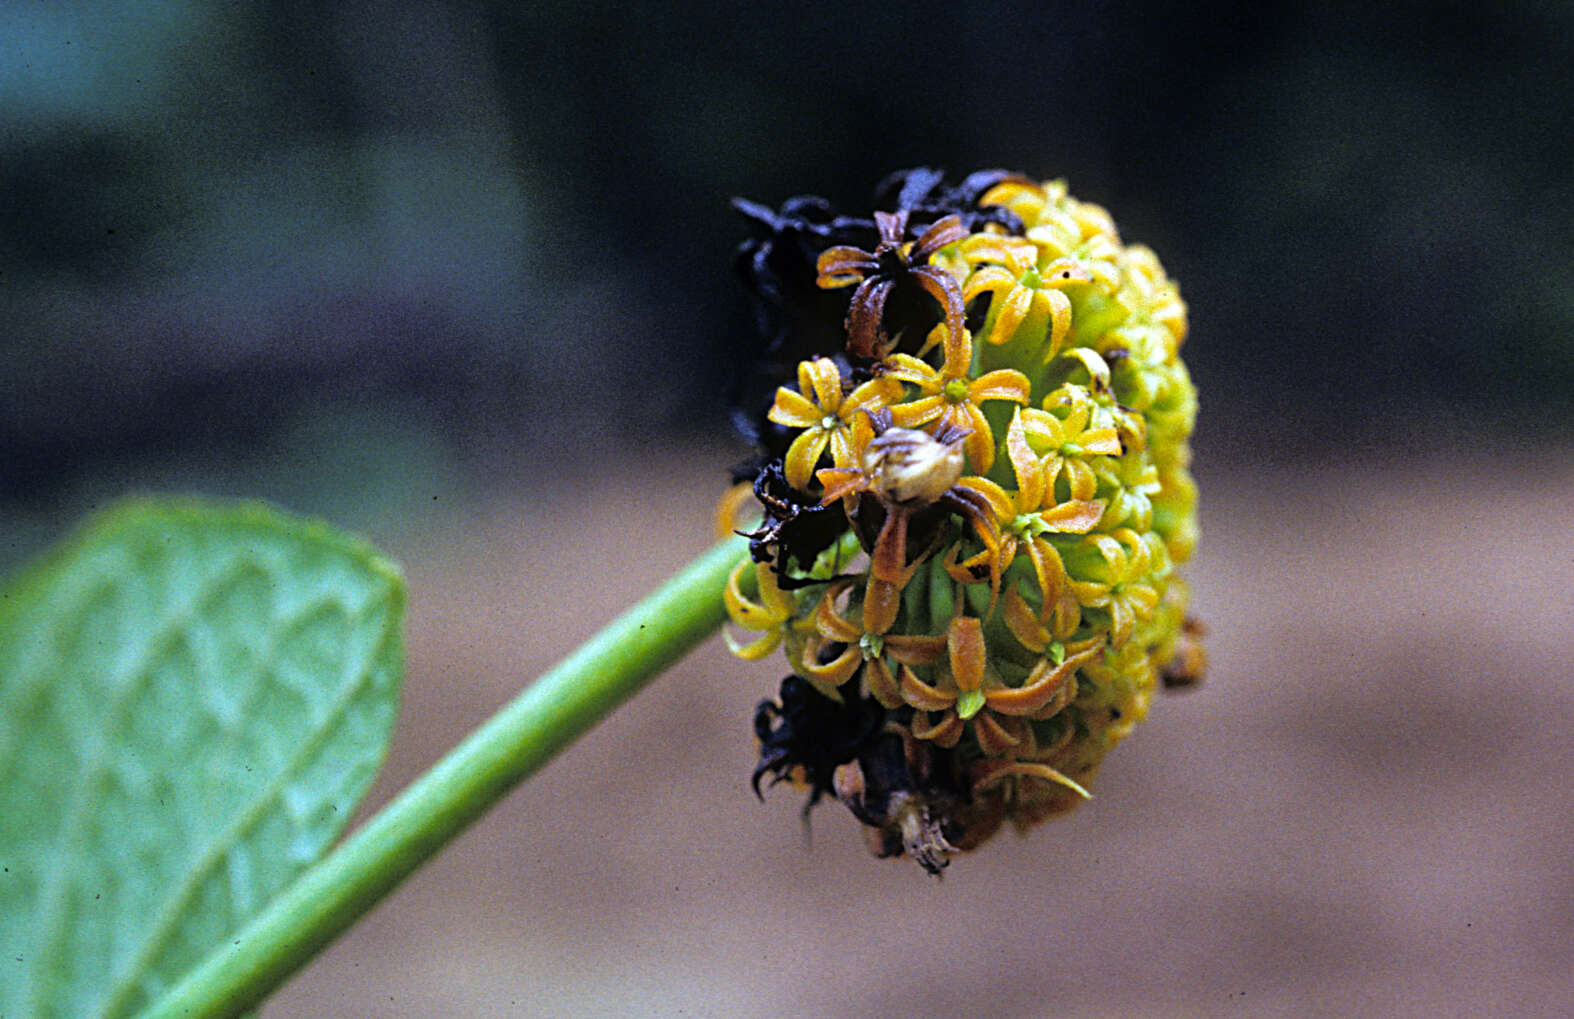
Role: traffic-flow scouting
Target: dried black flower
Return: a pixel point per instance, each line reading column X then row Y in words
column 796, row 319
column 923, row 193
column 796, row 529
column 807, row 736
column 912, row 796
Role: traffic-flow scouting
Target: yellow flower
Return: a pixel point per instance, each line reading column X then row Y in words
column 1023, row 290
column 1121, row 571
column 1059, row 226
column 1065, row 444
column 826, row 419
column 1127, row 422
column 772, row 613
column 950, row 396
column 1024, row 517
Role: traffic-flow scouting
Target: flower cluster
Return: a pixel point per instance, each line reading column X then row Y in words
column 975, row 490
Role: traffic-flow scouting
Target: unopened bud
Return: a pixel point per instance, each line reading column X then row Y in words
column 912, row 468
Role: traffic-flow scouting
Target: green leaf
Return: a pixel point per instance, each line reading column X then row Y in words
column 193, row 698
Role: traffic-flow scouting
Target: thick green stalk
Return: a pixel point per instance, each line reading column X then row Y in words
column 549, row 715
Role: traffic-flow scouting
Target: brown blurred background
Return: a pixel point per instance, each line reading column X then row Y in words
column 1365, row 810
column 457, row 276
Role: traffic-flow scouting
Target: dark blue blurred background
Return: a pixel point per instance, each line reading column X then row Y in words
column 362, row 254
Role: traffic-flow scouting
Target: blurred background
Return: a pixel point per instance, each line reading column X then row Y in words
column 457, row 275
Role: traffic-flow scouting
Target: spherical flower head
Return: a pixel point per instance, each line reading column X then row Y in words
column 1002, row 428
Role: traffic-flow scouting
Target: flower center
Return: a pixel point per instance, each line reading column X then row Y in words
column 828, row 423
column 1025, row 525
column 956, row 390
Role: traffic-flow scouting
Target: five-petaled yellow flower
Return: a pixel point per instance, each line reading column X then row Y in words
column 826, row 415
column 950, row 396
column 1024, row 291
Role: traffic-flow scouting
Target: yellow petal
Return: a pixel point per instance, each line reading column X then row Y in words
column 747, row 614
column 843, row 454
column 802, row 456
column 1050, row 571
column 823, row 375
column 1074, row 517
column 826, row 678
column 980, row 442
column 1065, row 271
column 1029, row 471
column 1000, row 504
column 1097, row 367
column 794, row 410
column 1121, row 622
column 1103, row 441
column 1091, row 594
column 1081, row 479
column 945, row 733
column 758, row 649
column 872, row 394
column 829, row 622
column 991, row 775
column 999, row 737
column 737, row 510
column 911, row 649
column 1059, row 321
column 958, row 354
column 919, row 412
column 911, row 369
column 1018, row 302
column 882, row 600
column 1000, row 384
column 991, row 279
column 1024, row 626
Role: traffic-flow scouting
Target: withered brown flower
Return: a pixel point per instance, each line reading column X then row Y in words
column 894, row 262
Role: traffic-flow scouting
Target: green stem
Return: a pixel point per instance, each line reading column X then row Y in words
column 549, row 715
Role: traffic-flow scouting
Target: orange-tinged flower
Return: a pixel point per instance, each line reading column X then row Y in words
column 866, row 649
column 1025, row 516
column 967, row 690
column 826, row 416
column 952, row 397
column 1056, row 620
